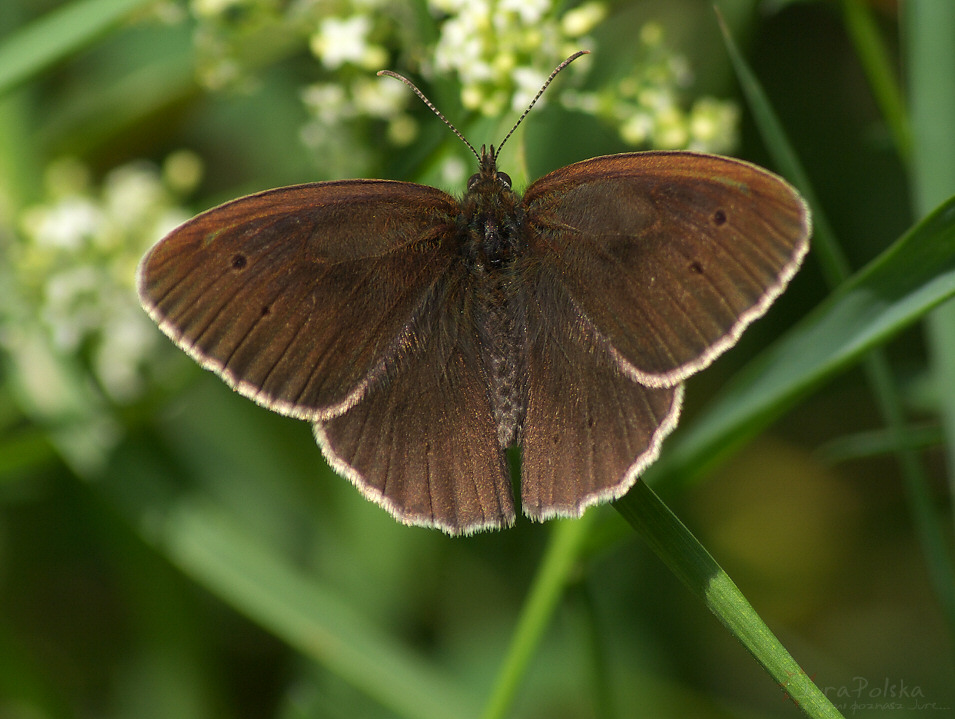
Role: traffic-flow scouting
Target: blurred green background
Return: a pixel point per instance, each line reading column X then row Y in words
column 169, row 549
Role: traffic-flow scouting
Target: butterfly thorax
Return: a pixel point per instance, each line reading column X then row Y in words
column 490, row 220
column 491, row 212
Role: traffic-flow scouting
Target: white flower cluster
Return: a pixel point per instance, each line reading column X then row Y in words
column 333, row 104
column 74, row 264
column 648, row 106
column 502, row 50
column 347, row 41
column 498, row 51
column 75, row 341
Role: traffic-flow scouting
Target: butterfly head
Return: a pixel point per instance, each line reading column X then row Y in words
column 489, row 177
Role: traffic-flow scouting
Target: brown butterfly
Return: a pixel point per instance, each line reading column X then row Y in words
column 423, row 335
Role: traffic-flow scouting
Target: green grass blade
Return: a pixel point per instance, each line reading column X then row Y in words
column 220, row 555
column 824, row 245
column 931, row 64
column 219, row 551
column 925, row 520
column 694, row 566
column 878, row 69
column 32, row 49
column 931, row 55
column 878, row 443
column 929, row 28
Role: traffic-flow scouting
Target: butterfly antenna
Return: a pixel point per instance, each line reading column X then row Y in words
column 537, row 97
column 433, row 109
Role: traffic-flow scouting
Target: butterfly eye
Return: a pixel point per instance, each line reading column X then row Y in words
column 472, row 180
column 505, row 178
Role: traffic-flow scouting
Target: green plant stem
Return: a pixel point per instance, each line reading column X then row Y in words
column 878, row 443
column 604, row 704
column 563, row 550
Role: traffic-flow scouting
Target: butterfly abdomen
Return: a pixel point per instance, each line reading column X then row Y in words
column 502, row 345
column 491, row 216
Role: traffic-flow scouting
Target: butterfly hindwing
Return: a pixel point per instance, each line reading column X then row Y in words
column 423, row 443
column 590, row 429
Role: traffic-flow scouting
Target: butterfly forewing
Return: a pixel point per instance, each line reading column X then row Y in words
column 299, row 296
column 669, row 255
